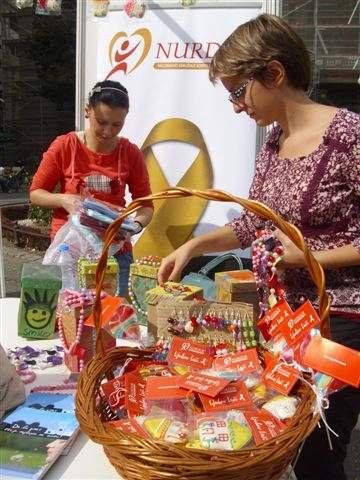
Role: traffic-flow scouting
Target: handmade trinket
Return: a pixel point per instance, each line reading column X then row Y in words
column 143, row 277
column 236, row 286
column 134, row 8
column 87, row 275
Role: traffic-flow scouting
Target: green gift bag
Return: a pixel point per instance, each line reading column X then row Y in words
column 40, row 285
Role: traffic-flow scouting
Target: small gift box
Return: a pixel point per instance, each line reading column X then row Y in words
column 204, row 321
column 236, row 286
column 87, row 272
column 78, row 335
column 40, row 285
column 143, row 277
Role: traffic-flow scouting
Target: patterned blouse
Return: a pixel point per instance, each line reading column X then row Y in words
column 320, row 194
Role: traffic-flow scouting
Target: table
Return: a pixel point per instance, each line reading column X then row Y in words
column 86, row 459
column 8, row 200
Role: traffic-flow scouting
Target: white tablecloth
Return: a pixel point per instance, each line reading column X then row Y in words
column 86, row 459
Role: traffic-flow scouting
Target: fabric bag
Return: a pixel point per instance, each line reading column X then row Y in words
column 201, row 279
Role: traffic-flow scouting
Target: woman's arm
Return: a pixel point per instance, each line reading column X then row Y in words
column 43, row 198
column 218, row 240
column 144, row 215
column 345, row 256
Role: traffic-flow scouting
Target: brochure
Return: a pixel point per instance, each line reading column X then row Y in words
column 35, row 434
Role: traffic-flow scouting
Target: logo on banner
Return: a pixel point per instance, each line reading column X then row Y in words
column 127, row 52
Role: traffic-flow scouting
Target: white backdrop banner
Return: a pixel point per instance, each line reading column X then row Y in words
column 185, row 126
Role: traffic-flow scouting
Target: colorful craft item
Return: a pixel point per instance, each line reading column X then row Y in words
column 27, row 360
column 187, row 3
column 75, row 334
column 134, row 8
column 267, row 252
column 87, row 275
column 40, row 285
column 123, row 324
column 172, row 290
column 143, row 277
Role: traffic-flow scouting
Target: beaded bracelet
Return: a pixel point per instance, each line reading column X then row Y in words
column 267, row 252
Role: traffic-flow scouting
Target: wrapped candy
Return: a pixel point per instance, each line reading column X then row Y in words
column 24, row 4
column 221, row 431
column 100, row 8
column 134, row 8
column 48, row 7
column 281, row 406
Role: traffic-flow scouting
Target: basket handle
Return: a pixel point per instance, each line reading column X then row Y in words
column 315, row 269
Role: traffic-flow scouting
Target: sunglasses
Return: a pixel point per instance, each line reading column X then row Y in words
column 236, row 94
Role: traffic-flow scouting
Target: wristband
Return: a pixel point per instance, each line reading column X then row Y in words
column 141, row 226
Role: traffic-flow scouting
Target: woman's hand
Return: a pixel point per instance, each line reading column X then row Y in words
column 172, row 265
column 69, row 202
column 293, row 257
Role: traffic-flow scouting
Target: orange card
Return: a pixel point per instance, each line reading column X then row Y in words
column 235, row 395
column 189, row 353
column 197, row 382
column 109, row 305
column 135, row 394
column 299, row 324
column 333, row 359
column 245, row 362
column 280, row 377
column 264, row 426
column 114, row 391
column 162, row 388
column 270, row 323
column 128, row 425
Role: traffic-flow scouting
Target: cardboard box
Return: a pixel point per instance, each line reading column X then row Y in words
column 236, row 286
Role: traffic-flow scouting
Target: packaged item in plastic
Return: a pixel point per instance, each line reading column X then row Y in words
column 220, row 431
column 24, row 4
column 100, row 8
column 48, row 7
column 68, row 269
column 281, row 406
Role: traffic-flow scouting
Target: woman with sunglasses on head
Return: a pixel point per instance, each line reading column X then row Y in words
column 308, row 171
column 97, row 162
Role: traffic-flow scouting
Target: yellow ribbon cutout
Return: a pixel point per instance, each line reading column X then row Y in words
column 174, row 220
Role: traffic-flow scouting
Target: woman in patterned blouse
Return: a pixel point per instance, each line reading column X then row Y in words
column 308, row 171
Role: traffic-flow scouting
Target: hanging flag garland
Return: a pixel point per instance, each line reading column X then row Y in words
column 100, row 8
column 134, row 8
column 48, row 7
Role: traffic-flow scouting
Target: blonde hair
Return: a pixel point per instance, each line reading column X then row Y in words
column 248, row 50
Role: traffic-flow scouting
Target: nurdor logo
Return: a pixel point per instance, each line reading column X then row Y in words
column 127, row 52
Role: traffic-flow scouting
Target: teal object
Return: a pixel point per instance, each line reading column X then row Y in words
column 201, row 279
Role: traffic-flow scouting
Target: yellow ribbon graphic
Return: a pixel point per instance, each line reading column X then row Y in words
column 174, row 221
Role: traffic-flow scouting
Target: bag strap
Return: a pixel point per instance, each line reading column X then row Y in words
column 218, row 260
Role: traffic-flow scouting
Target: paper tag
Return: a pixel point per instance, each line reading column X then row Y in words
column 245, row 362
column 333, row 359
column 299, row 324
column 189, row 353
column 235, row 395
column 280, row 377
column 197, row 382
column 271, row 322
column 162, row 388
column 114, row 391
column 264, row 426
column 128, row 425
column 109, row 305
column 135, row 394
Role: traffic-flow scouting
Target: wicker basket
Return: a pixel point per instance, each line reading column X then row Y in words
column 137, row 458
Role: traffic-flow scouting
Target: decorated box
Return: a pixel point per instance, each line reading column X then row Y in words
column 172, row 290
column 87, row 271
column 205, row 321
column 236, row 286
column 40, row 285
column 84, row 349
column 143, row 277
